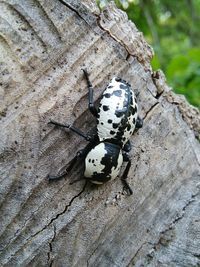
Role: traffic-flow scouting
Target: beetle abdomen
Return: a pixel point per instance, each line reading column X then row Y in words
column 117, row 112
column 103, row 163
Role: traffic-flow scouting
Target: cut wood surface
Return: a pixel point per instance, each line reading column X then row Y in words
column 44, row 44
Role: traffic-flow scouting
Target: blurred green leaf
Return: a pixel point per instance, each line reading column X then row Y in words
column 177, row 67
column 194, row 54
column 155, row 63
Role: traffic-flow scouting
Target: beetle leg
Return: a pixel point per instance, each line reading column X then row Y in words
column 127, row 146
column 125, row 174
column 72, row 128
column 57, row 177
column 80, row 154
column 139, row 122
column 91, row 105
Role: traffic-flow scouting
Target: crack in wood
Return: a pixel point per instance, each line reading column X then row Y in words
column 74, row 10
column 138, row 251
column 176, row 219
column 91, row 255
column 192, row 199
column 61, row 213
column 19, row 230
column 55, row 218
column 150, row 110
column 115, row 39
column 155, row 246
column 49, row 256
column 126, row 37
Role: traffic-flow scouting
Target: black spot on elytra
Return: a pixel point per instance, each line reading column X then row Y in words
column 117, row 93
column 133, row 109
column 123, row 86
column 93, row 161
column 110, row 86
column 107, row 95
column 129, row 113
column 115, row 125
column 105, row 108
column 120, row 112
column 109, row 121
column 120, row 130
column 133, row 120
column 112, row 132
column 128, row 127
column 89, row 160
column 101, row 123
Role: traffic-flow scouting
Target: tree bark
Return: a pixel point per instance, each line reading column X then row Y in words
column 44, row 45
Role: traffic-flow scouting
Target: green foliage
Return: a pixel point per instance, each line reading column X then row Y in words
column 172, row 28
column 184, row 73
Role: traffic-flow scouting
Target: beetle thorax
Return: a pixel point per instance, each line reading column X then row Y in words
column 117, row 112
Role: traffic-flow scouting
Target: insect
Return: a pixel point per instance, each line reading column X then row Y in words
column 117, row 117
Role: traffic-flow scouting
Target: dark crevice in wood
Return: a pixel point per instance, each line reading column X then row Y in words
column 150, row 110
column 161, row 240
column 61, row 213
column 52, row 220
column 74, row 10
column 158, row 95
column 156, row 76
column 128, row 56
column 50, row 260
column 138, row 251
column 120, row 43
column 19, row 230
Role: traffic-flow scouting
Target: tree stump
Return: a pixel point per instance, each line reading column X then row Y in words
column 44, row 45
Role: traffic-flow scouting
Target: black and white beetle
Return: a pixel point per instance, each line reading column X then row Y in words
column 117, row 117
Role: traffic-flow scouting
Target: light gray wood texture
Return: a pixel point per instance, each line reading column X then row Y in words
column 44, row 44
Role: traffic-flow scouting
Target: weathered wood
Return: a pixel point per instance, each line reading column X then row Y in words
column 43, row 46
